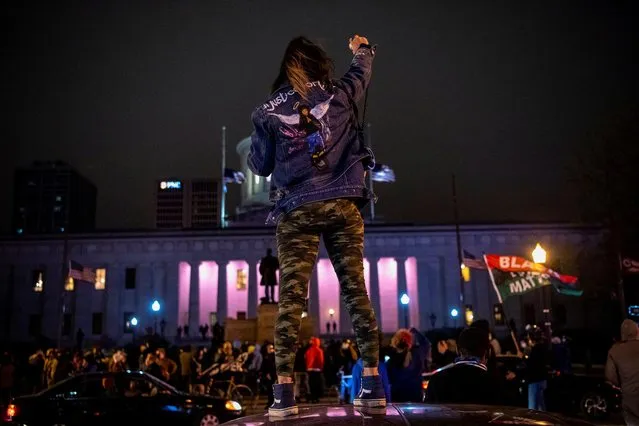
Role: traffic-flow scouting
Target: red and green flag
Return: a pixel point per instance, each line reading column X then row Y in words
column 513, row 276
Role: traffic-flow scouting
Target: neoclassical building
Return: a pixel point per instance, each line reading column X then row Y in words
column 203, row 276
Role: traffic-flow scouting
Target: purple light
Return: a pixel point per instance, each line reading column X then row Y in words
column 184, row 288
column 387, row 269
column 412, row 291
column 208, row 290
column 328, row 293
column 237, row 300
column 367, row 276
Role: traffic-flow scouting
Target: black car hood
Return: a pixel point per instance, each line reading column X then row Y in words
column 414, row 414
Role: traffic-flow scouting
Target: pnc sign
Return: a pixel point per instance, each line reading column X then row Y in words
column 170, row 184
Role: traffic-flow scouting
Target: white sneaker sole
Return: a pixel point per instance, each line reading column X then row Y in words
column 381, row 402
column 283, row 412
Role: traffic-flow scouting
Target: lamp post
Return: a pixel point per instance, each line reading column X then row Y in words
column 454, row 313
column 331, row 313
column 155, row 307
column 133, row 323
column 540, row 255
column 405, row 300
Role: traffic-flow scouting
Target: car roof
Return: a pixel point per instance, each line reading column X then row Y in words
column 413, row 414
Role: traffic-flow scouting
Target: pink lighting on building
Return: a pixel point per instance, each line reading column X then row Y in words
column 387, row 270
column 237, row 299
column 329, row 296
column 367, row 277
column 412, row 291
column 184, row 289
column 260, row 288
column 208, row 291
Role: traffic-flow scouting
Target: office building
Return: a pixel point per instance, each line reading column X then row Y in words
column 52, row 197
column 187, row 203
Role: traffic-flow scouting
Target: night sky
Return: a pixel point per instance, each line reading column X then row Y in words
column 503, row 93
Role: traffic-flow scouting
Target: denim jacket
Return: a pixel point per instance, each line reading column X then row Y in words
column 312, row 149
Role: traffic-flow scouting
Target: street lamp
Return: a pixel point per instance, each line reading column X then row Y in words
column 405, row 300
column 134, row 322
column 539, row 254
column 454, row 313
column 155, row 307
column 331, row 313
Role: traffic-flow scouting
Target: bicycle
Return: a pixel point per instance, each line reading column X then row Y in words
column 230, row 390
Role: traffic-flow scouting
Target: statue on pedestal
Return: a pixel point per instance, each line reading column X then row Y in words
column 268, row 269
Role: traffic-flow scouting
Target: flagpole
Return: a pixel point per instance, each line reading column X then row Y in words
column 370, row 174
column 65, row 268
column 501, row 302
column 459, row 250
column 223, row 182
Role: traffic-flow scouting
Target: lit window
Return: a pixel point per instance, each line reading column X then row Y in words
column 100, row 279
column 38, row 285
column 69, row 284
column 256, row 179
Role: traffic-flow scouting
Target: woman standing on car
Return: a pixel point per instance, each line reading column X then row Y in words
column 308, row 140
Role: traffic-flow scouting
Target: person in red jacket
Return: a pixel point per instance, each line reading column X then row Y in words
column 314, row 366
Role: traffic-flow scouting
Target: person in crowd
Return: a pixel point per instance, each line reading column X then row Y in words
column 317, row 117
column 152, row 367
column 622, row 370
column 50, row 366
column 446, row 355
column 117, row 363
column 269, row 373
column 467, row 380
column 406, row 365
column 346, row 359
column 561, row 358
column 80, row 365
column 168, row 366
column 537, row 371
column 268, row 270
column 302, row 388
column 144, row 348
column 198, row 367
column 36, row 371
column 314, row 366
column 356, row 374
column 186, row 356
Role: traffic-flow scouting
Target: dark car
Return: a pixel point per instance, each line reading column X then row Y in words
column 131, row 397
column 413, row 414
column 568, row 394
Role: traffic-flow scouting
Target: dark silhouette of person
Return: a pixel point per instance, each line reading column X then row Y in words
column 186, row 330
column 268, row 268
column 334, row 327
column 328, row 327
column 179, row 332
column 79, row 338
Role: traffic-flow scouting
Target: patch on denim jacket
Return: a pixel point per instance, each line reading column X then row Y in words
column 308, row 126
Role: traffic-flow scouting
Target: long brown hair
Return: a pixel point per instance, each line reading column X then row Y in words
column 303, row 62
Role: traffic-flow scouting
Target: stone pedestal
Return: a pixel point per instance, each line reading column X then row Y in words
column 266, row 315
column 242, row 330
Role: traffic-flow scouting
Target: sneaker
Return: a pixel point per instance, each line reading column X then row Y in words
column 371, row 395
column 284, row 401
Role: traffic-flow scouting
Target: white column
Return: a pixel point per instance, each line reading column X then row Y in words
column 374, row 289
column 114, row 287
column 253, row 290
column 194, row 298
column 171, row 298
column 402, row 287
column 424, row 302
column 222, row 293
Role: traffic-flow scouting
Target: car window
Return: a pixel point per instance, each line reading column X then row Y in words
column 140, row 387
column 70, row 388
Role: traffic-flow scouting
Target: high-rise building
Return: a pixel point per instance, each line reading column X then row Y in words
column 52, row 197
column 187, row 203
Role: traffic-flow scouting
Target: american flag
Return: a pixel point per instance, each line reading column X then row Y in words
column 81, row 273
column 472, row 262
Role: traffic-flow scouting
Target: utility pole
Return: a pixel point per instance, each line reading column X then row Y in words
column 65, row 274
column 223, row 182
column 370, row 173
column 462, row 308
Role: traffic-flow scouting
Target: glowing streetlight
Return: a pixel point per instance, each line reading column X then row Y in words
column 134, row 322
column 454, row 312
column 539, row 254
column 155, row 306
column 405, row 300
column 331, row 312
column 465, row 271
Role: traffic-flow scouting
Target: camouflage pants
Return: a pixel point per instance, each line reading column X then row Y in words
column 298, row 235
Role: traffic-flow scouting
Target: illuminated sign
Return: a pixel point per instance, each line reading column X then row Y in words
column 170, row 184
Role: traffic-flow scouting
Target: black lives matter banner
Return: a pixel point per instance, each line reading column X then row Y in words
column 513, row 276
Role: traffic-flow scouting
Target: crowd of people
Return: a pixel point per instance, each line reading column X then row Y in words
column 466, row 367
